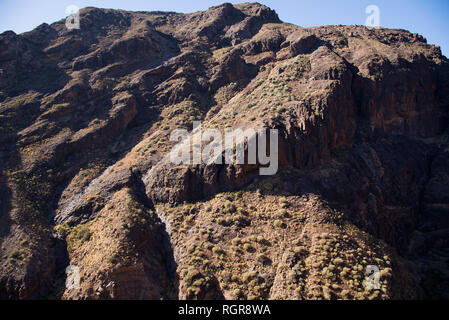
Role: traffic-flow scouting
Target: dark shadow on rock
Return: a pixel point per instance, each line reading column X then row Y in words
column 165, row 248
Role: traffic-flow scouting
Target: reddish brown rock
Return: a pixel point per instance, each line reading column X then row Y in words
column 85, row 122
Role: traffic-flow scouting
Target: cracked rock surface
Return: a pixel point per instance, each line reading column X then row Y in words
column 85, row 180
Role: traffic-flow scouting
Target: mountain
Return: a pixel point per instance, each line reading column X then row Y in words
column 85, row 178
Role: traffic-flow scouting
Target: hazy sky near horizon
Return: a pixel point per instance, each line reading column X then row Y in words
column 429, row 18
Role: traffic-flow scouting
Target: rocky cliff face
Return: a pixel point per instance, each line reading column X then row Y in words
column 85, row 121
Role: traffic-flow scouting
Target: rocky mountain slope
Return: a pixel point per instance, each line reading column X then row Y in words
column 85, row 121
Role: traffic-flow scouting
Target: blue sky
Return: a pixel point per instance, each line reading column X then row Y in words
column 429, row 18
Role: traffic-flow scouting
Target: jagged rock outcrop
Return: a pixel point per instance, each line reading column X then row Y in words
column 86, row 181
